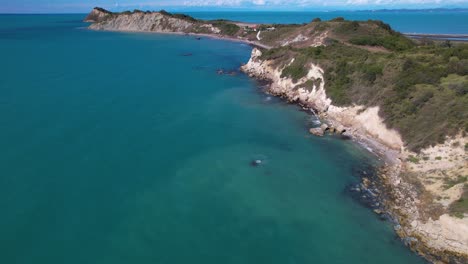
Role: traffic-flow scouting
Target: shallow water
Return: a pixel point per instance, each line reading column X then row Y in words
column 116, row 148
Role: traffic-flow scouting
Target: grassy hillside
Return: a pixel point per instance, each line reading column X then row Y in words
column 422, row 89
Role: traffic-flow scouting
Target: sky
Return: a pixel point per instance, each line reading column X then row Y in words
column 84, row 6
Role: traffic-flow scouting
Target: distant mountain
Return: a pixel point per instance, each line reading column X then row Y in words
column 418, row 10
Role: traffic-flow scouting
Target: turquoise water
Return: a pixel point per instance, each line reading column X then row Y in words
column 117, row 149
column 441, row 22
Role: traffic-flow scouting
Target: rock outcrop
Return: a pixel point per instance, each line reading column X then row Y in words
column 358, row 121
column 97, row 15
column 139, row 21
column 155, row 22
column 320, row 131
column 317, row 131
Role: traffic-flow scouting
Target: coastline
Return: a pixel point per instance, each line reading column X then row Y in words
column 438, row 37
column 378, row 185
column 383, row 190
column 399, row 189
column 220, row 37
column 393, row 195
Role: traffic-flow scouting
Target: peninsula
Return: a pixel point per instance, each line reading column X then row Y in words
column 406, row 100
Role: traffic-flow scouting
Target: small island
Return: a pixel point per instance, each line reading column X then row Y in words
column 405, row 99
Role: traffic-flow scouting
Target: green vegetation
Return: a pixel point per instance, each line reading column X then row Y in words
column 416, row 88
column 226, row 27
column 100, row 9
column 179, row 16
column 413, row 159
column 184, row 17
column 296, row 70
column 460, row 207
column 337, row 19
column 372, row 33
column 164, row 12
column 278, row 34
column 392, row 42
column 449, row 183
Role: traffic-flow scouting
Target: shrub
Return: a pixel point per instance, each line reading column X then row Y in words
column 297, row 69
column 460, row 207
column 184, row 17
column 337, row 19
column 164, row 12
column 382, row 25
column 370, row 72
column 412, row 159
column 226, row 27
column 391, row 42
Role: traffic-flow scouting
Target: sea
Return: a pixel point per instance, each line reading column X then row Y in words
column 131, row 148
column 421, row 22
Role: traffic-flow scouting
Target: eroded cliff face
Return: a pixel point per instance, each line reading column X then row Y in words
column 309, row 91
column 420, row 197
column 145, row 22
column 441, row 173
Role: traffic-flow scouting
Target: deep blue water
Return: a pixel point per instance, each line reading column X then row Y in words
column 441, row 22
column 118, row 149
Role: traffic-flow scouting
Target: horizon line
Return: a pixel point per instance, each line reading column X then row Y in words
column 192, row 9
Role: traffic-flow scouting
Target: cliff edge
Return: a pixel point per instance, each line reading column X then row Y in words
column 424, row 186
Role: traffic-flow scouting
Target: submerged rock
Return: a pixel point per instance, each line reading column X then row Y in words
column 224, row 72
column 316, row 131
column 256, row 162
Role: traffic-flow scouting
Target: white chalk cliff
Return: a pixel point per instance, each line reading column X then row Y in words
column 357, row 119
column 438, row 236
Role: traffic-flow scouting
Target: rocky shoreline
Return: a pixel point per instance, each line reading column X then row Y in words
column 388, row 193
